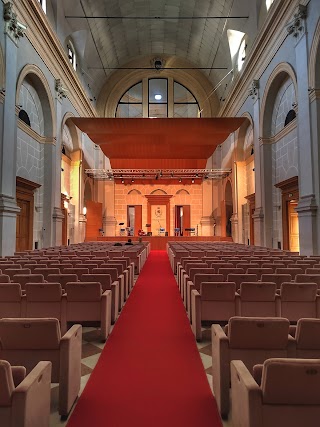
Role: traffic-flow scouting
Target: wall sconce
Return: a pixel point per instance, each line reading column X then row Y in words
column 84, row 210
column 65, row 204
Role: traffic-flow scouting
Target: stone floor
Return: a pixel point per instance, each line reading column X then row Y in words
column 91, row 350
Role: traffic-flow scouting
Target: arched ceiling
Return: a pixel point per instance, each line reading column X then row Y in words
column 112, row 43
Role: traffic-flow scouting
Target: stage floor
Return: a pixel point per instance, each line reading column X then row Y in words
column 159, row 242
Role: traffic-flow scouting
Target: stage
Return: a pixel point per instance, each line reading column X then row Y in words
column 160, row 242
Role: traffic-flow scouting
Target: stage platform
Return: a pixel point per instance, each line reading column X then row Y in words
column 159, row 242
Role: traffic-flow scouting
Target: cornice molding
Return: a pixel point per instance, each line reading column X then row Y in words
column 50, row 49
column 314, row 94
column 34, row 135
column 271, row 36
column 313, row 56
column 284, row 132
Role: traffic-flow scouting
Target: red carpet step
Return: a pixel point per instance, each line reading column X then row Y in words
column 150, row 373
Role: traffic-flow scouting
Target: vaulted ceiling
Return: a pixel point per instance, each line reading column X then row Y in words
column 193, row 30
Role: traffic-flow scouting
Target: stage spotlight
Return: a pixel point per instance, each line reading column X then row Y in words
column 122, row 181
column 132, row 180
column 180, row 180
column 192, row 182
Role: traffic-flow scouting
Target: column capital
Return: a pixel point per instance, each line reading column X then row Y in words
column 13, row 27
column 297, row 27
column 254, row 89
column 307, row 205
column 60, row 90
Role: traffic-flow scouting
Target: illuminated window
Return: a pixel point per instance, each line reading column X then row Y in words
column 242, row 54
column 43, row 4
column 72, row 55
column 158, row 103
column 269, row 3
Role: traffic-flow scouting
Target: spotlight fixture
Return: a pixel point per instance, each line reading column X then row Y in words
column 180, row 180
column 122, row 181
column 160, row 174
column 132, row 180
column 192, row 181
column 157, row 177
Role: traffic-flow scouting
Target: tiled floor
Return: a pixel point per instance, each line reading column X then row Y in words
column 91, row 350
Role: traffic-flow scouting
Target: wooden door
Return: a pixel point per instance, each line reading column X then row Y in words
column 24, row 223
column 137, row 219
column 94, row 220
column 22, row 227
column 186, row 219
column 293, row 227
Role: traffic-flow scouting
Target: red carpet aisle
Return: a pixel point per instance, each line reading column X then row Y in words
column 150, row 373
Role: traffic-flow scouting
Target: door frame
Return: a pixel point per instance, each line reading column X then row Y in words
column 252, row 206
column 25, row 191
column 289, row 191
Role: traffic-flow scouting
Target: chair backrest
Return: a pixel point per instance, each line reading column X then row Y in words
column 199, row 278
column 10, row 292
column 259, row 271
column 308, row 334
column 106, row 270
column 299, row 292
column 308, row 278
column 62, row 278
column 103, row 279
column 218, row 291
column 239, row 278
column 292, row 271
column 29, row 334
column 193, row 271
column 228, row 270
column 278, row 279
column 189, row 266
column 12, row 271
column 258, row 332
column 46, row 271
column 83, row 291
column 4, row 278
column 79, row 271
column 258, row 291
column 27, row 278
column 308, row 270
column 43, row 292
column 6, row 384
column 291, row 382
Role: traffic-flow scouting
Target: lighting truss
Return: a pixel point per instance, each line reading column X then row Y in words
column 123, row 174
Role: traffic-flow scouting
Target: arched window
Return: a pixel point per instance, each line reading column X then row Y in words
column 72, row 55
column 268, row 3
column 43, row 4
column 185, row 104
column 161, row 102
column 289, row 117
column 242, row 54
column 23, row 115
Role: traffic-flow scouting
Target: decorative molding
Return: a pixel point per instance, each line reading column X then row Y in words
column 279, row 70
column 314, row 94
column 284, row 132
column 13, row 27
column 61, row 91
column 313, row 58
column 158, row 64
column 254, row 89
column 34, row 135
column 268, row 41
column 49, row 48
column 298, row 26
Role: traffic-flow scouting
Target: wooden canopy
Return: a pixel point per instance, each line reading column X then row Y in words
column 158, row 143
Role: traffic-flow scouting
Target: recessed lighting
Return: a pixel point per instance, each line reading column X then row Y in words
column 158, row 97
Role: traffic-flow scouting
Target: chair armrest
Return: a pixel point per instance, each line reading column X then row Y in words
column 70, row 368
column 292, row 346
column 105, row 319
column 115, row 301
column 196, row 314
column 293, row 330
column 190, row 287
column 18, row 374
column 31, row 399
column 246, row 396
column 220, row 368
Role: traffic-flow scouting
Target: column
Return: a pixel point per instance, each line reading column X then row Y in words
column 307, row 207
column 57, row 212
column 258, row 215
column 8, row 140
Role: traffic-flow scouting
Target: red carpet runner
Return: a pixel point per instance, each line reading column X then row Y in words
column 150, row 373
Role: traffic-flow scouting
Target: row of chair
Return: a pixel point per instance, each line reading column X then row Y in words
column 82, row 302
column 218, row 301
column 253, row 340
column 26, row 342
